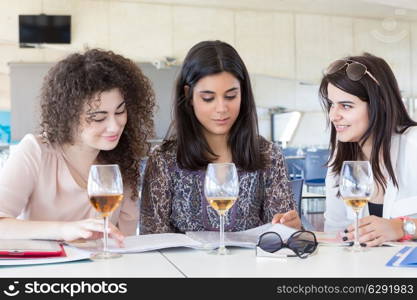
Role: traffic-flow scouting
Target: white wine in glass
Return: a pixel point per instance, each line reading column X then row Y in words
column 356, row 203
column 221, row 188
column 221, row 204
column 356, row 187
column 105, row 191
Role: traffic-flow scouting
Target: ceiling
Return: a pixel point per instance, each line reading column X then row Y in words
column 400, row 9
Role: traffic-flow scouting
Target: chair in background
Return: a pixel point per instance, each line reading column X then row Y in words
column 297, row 189
column 294, row 162
column 315, row 168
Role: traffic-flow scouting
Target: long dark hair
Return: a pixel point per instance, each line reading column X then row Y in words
column 386, row 111
column 193, row 152
column 74, row 81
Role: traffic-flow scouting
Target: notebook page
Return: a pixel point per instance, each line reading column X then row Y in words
column 247, row 238
column 148, row 242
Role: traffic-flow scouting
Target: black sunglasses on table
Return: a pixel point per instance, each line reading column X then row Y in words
column 302, row 243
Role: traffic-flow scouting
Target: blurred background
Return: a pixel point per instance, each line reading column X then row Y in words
column 286, row 45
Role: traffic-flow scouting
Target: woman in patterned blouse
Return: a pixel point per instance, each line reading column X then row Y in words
column 215, row 121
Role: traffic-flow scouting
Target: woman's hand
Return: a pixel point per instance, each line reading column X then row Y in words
column 290, row 219
column 91, row 229
column 373, row 231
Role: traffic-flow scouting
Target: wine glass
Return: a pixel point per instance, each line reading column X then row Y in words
column 105, row 191
column 356, row 187
column 221, row 188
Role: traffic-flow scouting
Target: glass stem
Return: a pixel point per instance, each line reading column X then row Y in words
column 221, row 246
column 106, row 226
column 357, row 245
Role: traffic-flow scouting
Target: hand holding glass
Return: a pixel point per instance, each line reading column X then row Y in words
column 356, row 187
column 105, row 190
column 221, row 188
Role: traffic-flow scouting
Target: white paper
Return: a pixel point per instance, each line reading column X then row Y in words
column 73, row 254
column 141, row 243
column 196, row 240
column 284, row 231
column 247, row 239
column 149, row 242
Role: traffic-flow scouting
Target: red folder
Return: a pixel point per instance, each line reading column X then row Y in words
column 15, row 249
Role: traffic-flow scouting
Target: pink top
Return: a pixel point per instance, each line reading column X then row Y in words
column 36, row 184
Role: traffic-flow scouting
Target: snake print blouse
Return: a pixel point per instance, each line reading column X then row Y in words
column 173, row 198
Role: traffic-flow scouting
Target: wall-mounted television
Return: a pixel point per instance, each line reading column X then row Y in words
column 37, row 29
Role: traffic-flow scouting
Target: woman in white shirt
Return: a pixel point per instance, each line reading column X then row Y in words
column 369, row 122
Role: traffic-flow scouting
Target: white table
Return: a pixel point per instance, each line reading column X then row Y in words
column 329, row 261
column 149, row 264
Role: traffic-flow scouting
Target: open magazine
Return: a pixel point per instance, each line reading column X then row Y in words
column 195, row 239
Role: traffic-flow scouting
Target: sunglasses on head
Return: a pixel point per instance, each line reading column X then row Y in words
column 354, row 70
column 302, row 243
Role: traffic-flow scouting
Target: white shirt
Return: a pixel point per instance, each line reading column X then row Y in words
column 401, row 201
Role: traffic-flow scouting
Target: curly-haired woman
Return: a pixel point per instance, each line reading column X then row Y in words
column 96, row 108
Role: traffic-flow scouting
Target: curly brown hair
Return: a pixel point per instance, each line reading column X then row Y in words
column 74, row 81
